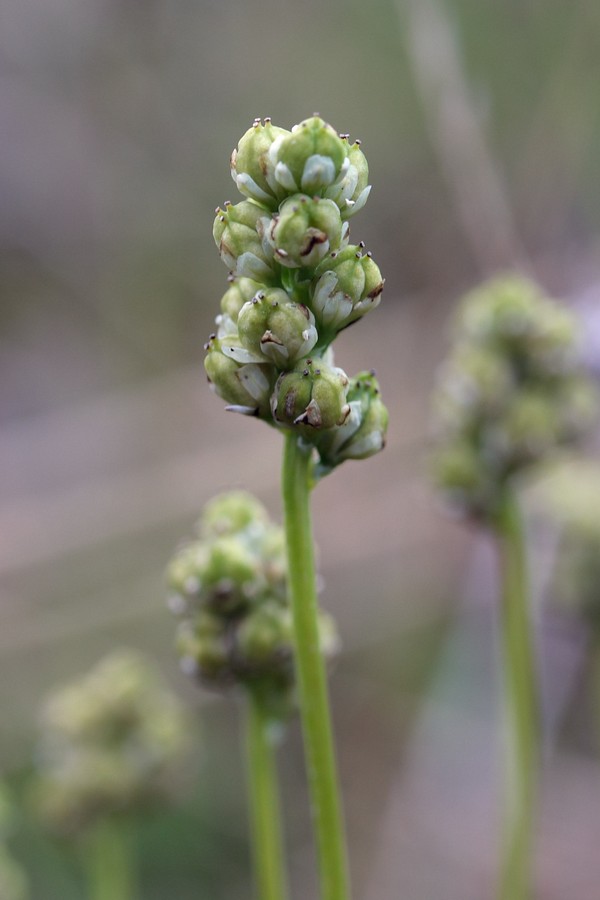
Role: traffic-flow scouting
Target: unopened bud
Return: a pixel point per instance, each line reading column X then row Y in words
column 239, row 292
column 271, row 326
column 265, row 639
column 230, row 513
column 246, row 386
column 253, row 170
column 313, row 395
column 202, row 647
column 364, row 431
column 309, row 159
column 352, row 190
column 347, row 285
column 305, row 230
column 237, row 232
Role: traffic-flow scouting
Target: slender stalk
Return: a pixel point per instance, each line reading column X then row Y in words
column 521, row 706
column 264, row 802
column 310, row 668
column 109, row 865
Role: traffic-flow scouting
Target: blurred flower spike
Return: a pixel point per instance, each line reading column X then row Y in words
column 228, row 588
column 111, row 744
column 512, row 392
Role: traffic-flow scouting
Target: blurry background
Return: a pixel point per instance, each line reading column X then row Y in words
column 481, row 124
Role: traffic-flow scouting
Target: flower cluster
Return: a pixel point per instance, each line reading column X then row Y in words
column 111, row 743
column 295, row 282
column 228, row 588
column 512, row 391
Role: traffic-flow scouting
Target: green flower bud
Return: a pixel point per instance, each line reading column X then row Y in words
column 346, row 286
column 351, row 192
column 231, row 576
column 239, row 292
column 553, row 348
column 364, row 431
column 578, row 410
column 476, row 382
column 271, row 326
column 458, row 472
column 245, row 386
column 230, row 513
column 305, row 230
column 265, row 639
column 504, row 310
column 238, row 232
column 312, row 395
column 184, row 576
column 203, row 647
column 253, row 170
column 529, row 428
column 309, row 159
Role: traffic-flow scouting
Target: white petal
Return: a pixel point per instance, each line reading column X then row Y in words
column 319, row 171
column 240, row 354
column 285, row 177
column 358, row 203
column 249, row 265
column 254, row 380
column 247, row 185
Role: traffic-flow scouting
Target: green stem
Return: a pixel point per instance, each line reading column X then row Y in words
column 310, row 668
column 109, row 865
column 521, row 705
column 264, row 801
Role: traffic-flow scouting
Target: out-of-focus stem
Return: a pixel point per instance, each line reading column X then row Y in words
column 109, row 864
column 264, row 802
column 521, row 707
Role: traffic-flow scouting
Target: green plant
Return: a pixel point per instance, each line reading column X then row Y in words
column 110, row 746
column 295, row 283
column 511, row 393
column 229, row 591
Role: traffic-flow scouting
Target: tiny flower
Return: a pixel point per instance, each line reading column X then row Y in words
column 253, row 170
column 203, row 647
column 346, row 286
column 240, row 290
column 305, row 230
column 364, row 431
column 309, row 159
column 246, row 386
column 271, row 326
column 352, row 191
column 458, row 472
column 312, row 396
column 230, row 513
column 265, row 639
column 237, row 232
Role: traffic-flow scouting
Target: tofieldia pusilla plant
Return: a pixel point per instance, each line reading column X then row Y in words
column 295, row 282
column 229, row 591
column 511, row 393
column 111, row 746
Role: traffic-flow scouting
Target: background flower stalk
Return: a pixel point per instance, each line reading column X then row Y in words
column 291, row 237
column 512, row 392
